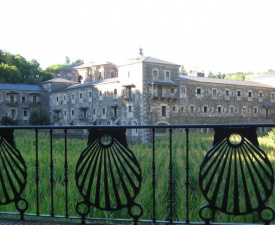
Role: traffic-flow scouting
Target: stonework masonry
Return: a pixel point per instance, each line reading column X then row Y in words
column 143, row 90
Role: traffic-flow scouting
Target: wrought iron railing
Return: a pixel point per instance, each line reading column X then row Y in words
column 112, row 179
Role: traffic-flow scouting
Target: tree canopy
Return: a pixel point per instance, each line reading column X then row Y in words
column 16, row 69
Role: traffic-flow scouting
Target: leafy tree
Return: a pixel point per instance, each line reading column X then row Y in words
column 77, row 62
column 8, row 121
column 183, row 71
column 9, row 74
column 67, row 60
column 39, row 116
column 218, row 76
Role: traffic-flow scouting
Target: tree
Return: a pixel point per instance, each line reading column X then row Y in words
column 77, row 62
column 8, row 121
column 183, row 71
column 39, row 116
column 67, row 60
column 9, row 74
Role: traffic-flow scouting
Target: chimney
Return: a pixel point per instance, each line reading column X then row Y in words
column 140, row 51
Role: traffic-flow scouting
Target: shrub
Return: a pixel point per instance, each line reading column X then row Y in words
column 39, row 116
column 8, row 121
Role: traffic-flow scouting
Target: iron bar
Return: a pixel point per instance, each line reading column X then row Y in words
column 154, row 175
column 37, row 173
column 187, row 169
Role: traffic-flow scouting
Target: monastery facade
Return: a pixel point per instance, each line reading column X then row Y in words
column 144, row 90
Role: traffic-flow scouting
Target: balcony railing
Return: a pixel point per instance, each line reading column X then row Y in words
column 109, row 178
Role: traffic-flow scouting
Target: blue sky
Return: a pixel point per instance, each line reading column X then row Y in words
column 210, row 35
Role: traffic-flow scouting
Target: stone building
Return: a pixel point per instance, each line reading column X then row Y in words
column 17, row 100
column 147, row 90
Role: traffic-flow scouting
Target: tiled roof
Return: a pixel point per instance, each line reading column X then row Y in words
column 69, row 67
column 87, row 84
column 59, row 80
column 223, row 81
column 95, row 64
column 21, row 87
column 163, row 83
column 148, row 59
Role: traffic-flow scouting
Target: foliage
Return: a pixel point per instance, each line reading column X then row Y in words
column 16, row 69
column 77, row 62
column 236, row 76
column 8, row 121
column 39, row 116
column 183, row 71
column 219, row 75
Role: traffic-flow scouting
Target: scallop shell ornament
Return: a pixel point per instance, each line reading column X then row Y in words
column 236, row 177
column 108, row 175
column 13, row 172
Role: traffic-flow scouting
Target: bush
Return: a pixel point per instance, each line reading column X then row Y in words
column 8, row 121
column 39, row 116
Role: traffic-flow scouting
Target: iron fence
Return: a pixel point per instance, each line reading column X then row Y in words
column 101, row 175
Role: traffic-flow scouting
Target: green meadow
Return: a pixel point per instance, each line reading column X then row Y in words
column 199, row 143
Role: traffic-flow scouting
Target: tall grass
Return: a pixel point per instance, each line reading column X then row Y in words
column 199, row 143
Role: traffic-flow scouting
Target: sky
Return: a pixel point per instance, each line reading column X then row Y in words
column 205, row 35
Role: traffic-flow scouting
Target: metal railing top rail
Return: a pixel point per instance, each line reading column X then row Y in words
column 254, row 125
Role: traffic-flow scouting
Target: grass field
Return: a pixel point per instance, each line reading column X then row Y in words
column 199, row 143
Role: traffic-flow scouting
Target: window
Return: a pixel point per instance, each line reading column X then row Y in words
column 172, row 90
column 34, row 99
column 115, row 94
column 23, row 99
column 163, row 110
column 72, row 112
column 80, row 95
column 214, row 93
column 191, row 109
column 205, row 109
column 129, row 108
column 239, row 93
column 183, row 90
column 13, row 112
column 244, row 109
column 64, row 97
column 182, row 108
column 227, row 93
column 219, row 109
column 155, row 74
column 198, row 91
column 65, row 112
column 25, row 113
column 103, row 111
column 250, row 94
column 167, row 75
column 128, row 92
column 255, row 110
column 100, row 95
column 94, row 111
column 174, row 108
column 90, row 94
column 57, row 99
column 12, row 99
column 73, row 96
